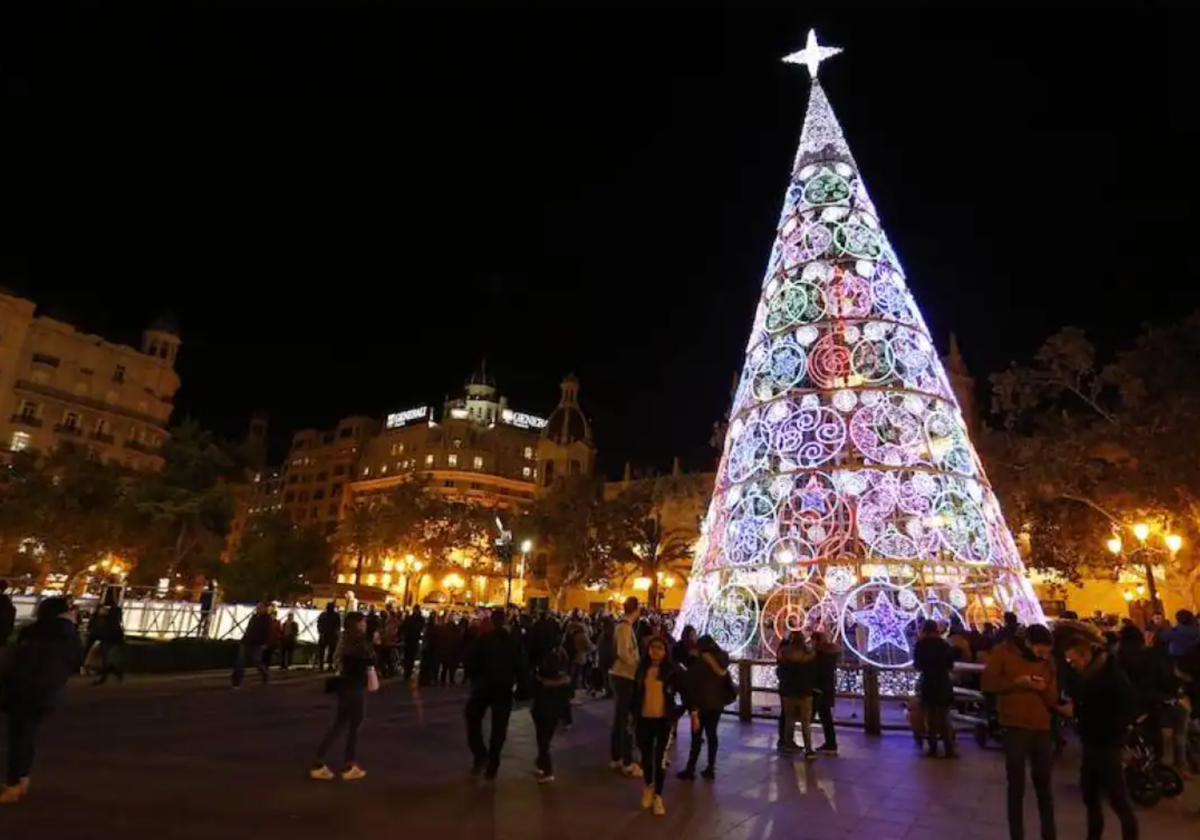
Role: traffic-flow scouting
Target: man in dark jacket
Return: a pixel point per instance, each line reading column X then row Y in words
column 254, row 644
column 933, row 659
column 1104, row 704
column 828, row 655
column 411, row 631
column 497, row 667
column 329, row 627
column 8, row 614
column 47, row 652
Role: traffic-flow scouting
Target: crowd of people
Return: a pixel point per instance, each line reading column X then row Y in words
column 1097, row 680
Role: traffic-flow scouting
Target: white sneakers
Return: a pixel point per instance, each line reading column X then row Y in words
column 324, row 774
column 660, row 809
column 633, row 771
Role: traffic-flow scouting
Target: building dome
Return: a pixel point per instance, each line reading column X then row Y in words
column 566, row 423
column 480, row 382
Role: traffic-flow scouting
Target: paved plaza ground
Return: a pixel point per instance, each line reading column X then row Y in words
column 186, row 757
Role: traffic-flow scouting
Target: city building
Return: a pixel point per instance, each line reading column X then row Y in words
column 58, row 384
column 319, row 467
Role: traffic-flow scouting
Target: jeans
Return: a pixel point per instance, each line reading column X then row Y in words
column 543, row 727
column 937, row 725
column 351, row 707
column 326, row 645
column 708, row 726
column 797, row 710
column 410, row 659
column 620, row 742
column 287, row 651
column 823, row 706
column 653, row 734
column 108, row 662
column 1035, row 747
column 501, row 706
column 1101, row 774
column 22, row 731
column 254, row 654
column 1176, row 718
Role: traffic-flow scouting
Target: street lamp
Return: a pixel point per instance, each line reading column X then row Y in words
column 408, row 565
column 504, row 549
column 1141, row 531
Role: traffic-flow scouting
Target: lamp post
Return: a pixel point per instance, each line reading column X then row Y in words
column 504, row 550
column 652, row 534
column 1147, row 552
column 408, row 565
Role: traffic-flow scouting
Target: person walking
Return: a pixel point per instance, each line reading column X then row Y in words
column 827, row 656
column 289, row 633
column 111, row 636
column 356, row 661
column 8, row 614
column 412, row 627
column 430, row 651
column 1104, row 705
column 933, row 659
column 656, row 682
column 497, row 667
column 254, row 646
column 1020, row 673
column 621, row 677
column 328, row 629
column 43, row 658
column 707, row 693
column 551, row 694
column 796, row 671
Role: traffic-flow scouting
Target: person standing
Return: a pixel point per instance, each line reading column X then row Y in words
column 8, row 614
column 656, row 682
column 44, row 656
column 254, row 646
column 430, row 650
column 621, row 676
column 289, row 633
column 933, row 658
column 411, row 630
column 497, row 668
column 706, row 681
column 356, row 658
column 1104, row 706
column 1020, row 673
column 551, row 696
column 328, row 628
column 796, row 670
column 111, row 635
column 827, row 656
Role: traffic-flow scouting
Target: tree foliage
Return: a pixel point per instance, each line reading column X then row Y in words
column 277, row 561
column 1089, row 445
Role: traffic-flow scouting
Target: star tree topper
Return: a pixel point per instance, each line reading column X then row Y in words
column 812, row 55
column 885, row 624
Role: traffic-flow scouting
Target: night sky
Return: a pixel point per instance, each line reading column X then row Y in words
column 347, row 208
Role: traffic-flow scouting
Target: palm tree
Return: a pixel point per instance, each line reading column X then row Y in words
column 364, row 533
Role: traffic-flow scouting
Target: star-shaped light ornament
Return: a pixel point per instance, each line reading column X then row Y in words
column 812, row 55
column 885, row 624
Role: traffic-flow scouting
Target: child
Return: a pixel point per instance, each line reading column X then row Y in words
column 551, row 702
column 654, row 710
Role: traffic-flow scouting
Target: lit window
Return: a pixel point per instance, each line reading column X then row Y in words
column 366, row 470
column 383, row 469
column 478, row 462
column 457, row 443
column 20, row 440
column 429, row 460
column 452, row 460
column 526, row 471
column 529, row 453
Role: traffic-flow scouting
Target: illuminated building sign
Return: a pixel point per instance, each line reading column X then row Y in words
column 395, row 421
column 522, row 421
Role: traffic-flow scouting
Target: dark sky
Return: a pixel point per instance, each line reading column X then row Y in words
column 347, row 207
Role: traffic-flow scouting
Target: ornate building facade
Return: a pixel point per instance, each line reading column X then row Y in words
column 60, row 385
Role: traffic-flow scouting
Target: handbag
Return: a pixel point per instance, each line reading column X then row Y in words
column 372, row 679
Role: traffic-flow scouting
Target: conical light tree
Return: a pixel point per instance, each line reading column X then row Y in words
column 849, row 497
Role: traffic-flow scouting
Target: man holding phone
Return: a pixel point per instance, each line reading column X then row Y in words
column 1020, row 672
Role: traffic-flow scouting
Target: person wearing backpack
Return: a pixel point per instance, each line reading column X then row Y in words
column 46, row 654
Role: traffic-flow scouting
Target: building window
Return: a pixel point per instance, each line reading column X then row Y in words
column 346, row 432
column 397, row 448
column 429, row 460
column 340, row 469
column 548, row 474
column 528, row 453
column 452, row 460
column 575, row 467
column 70, row 420
column 303, row 496
column 458, row 443
column 321, row 476
column 289, row 496
column 478, row 462
column 301, row 515
column 335, row 490
column 292, row 479
column 447, row 483
column 43, row 359
column 316, row 512
column 366, row 471
column 526, row 471
column 333, row 509
column 20, row 440
column 318, row 495
column 383, row 469
column 119, row 373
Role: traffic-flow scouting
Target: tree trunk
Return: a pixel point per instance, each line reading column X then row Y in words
column 358, row 567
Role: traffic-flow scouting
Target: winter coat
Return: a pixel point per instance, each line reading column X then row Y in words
column 826, row 670
column 329, row 624
column 673, row 681
column 258, row 630
column 1018, row 706
column 357, row 657
column 796, row 671
column 1105, row 704
column 1183, row 639
column 551, row 687
column 8, row 617
column 45, row 655
column 933, row 658
column 704, row 688
column 497, row 664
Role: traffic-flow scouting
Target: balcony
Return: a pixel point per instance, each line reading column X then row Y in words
column 138, row 446
column 102, row 437
column 68, row 429
column 27, row 420
column 24, row 385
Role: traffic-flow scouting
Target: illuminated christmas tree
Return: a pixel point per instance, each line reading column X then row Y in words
column 849, row 497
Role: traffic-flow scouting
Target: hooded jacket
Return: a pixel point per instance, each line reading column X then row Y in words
column 47, row 654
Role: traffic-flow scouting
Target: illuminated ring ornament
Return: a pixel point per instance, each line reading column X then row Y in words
column 733, row 619
column 787, row 611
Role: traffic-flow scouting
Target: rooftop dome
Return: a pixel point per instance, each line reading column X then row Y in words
column 481, row 377
column 566, row 423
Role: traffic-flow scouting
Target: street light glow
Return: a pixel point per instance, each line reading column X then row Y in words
column 527, row 546
column 1174, row 542
column 1114, row 545
column 1141, row 531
